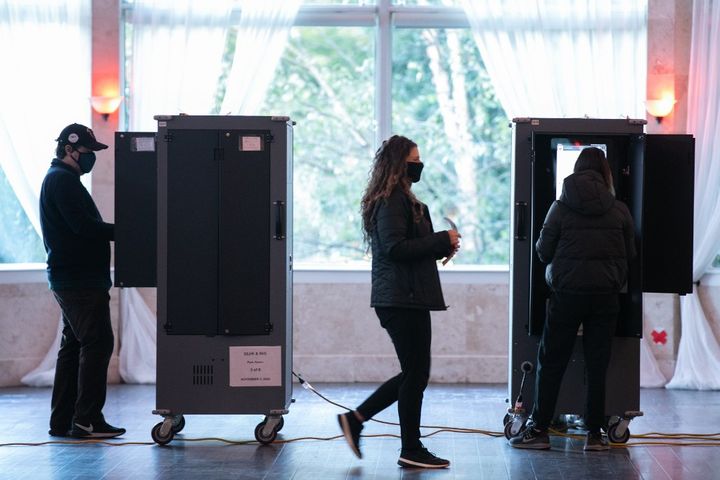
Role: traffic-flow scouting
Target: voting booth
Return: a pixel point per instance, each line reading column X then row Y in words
column 654, row 177
column 220, row 252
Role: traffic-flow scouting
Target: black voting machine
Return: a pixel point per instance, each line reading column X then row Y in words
column 653, row 175
column 203, row 212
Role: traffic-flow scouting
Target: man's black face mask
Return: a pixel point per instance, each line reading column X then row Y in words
column 85, row 161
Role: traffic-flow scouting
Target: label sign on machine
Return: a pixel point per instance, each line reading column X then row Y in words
column 256, row 366
column 251, row 143
column 142, row 144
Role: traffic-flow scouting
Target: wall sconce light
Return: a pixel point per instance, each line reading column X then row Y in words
column 661, row 107
column 106, row 106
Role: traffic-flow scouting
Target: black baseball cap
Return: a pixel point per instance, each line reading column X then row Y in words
column 79, row 135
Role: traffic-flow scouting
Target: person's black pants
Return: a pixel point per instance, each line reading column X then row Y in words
column 81, row 373
column 598, row 316
column 411, row 335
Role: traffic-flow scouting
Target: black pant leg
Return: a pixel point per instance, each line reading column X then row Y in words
column 384, row 396
column 88, row 313
column 414, row 337
column 598, row 330
column 556, row 346
column 410, row 332
column 64, row 394
column 387, row 393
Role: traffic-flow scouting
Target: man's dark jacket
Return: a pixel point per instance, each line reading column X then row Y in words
column 588, row 238
column 404, row 255
column 76, row 239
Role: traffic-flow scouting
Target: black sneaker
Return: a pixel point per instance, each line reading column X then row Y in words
column 351, row 428
column 58, row 433
column 421, row 458
column 531, row 438
column 99, row 429
column 594, row 441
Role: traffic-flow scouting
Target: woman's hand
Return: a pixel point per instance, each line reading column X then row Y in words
column 454, row 244
column 454, row 239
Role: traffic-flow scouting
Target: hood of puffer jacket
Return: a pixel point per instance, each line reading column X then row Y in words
column 585, row 192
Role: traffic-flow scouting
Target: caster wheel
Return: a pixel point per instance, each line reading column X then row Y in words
column 506, row 430
column 261, row 437
column 158, row 437
column 507, row 418
column 613, row 435
column 280, row 425
column 178, row 423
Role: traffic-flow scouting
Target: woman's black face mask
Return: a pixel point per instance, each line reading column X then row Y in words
column 414, row 170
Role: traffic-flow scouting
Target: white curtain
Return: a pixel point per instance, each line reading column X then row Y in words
column 44, row 86
column 698, row 362
column 138, row 338
column 555, row 58
column 176, row 58
column 177, row 66
column 261, row 37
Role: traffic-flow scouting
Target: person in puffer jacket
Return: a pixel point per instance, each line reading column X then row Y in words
column 588, row 241
column 405, row 288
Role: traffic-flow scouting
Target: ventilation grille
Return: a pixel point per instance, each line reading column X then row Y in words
column 202, row 374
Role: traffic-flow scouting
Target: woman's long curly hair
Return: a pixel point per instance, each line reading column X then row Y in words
column 389, row 171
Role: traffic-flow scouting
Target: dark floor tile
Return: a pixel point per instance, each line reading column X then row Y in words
column 24, row 413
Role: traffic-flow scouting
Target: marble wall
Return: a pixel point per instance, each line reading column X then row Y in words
column 29, row 320
column 337, row 337
column 669, row 34
column 661, row 328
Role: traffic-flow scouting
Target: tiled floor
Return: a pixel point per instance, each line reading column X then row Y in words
column 24, row 411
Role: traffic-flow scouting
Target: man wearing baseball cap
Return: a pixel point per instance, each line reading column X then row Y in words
column 77, row 242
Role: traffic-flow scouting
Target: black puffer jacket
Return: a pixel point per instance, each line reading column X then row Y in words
column 588, row 238
column 404, row 255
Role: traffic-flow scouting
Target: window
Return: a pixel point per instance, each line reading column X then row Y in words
column 443, row 99
column 19, row 242
column 440, row 96
column 354, row 72
column 325, row 83
column 46, row 88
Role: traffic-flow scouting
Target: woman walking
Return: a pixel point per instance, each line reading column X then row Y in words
column 405, row 288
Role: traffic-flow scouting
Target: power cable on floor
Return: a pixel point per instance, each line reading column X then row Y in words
column 692, row 439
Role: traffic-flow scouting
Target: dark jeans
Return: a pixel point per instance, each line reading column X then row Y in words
column 410, row 332
column 81, row 372
column 598, row 315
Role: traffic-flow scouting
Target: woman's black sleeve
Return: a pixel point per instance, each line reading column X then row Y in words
column 394, row 218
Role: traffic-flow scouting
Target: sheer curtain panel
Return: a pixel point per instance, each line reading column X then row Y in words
column 261, row 37
column 698, row 362
column 44, row 86
column 554, row 58
column 176, row 58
